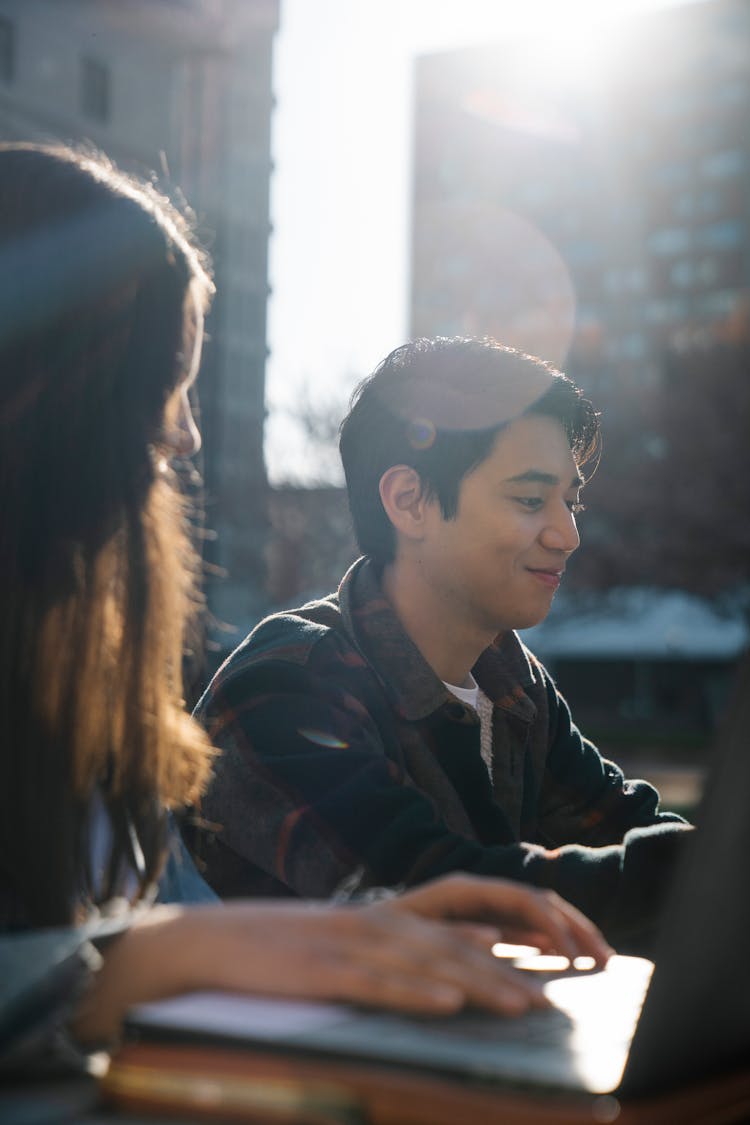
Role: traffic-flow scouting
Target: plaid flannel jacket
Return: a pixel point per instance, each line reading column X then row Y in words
column 346, row 758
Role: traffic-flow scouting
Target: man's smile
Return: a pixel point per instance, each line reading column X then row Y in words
column 550, row 577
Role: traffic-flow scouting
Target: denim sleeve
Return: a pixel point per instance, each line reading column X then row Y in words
column 180, row 880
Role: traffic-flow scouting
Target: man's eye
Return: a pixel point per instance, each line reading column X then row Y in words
column 533, row 503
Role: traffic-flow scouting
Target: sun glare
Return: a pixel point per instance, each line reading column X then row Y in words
column 461, row 22
column 345, row 82
column 555, row 39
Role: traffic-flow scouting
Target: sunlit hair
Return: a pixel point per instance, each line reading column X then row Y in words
column 99, row 287
column 437, row 404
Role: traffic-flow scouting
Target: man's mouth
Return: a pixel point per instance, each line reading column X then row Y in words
column 551, row 578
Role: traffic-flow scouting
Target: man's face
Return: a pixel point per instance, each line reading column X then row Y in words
column 497, row 564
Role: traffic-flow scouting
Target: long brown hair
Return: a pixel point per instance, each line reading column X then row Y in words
column 99, row 283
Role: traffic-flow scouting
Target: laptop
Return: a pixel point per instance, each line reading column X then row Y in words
column 634, row 1029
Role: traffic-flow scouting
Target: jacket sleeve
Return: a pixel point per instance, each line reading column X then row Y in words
column 305, row 790
column 45, row 973
column 43, row 976
column 586, row 799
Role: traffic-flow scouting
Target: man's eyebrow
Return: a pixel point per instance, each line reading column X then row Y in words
column 536, row 476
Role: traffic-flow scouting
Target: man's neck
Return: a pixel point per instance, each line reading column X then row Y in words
column 451, row 647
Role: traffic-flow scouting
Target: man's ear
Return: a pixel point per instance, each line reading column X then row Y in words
column 404, row 500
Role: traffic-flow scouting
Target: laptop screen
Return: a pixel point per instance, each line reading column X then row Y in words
column 696, row 1019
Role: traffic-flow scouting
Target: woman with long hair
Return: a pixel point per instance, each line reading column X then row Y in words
column 102, row 299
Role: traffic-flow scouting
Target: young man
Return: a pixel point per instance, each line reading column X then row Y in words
column 398, row 729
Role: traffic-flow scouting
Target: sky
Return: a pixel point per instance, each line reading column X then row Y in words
column 341, row 187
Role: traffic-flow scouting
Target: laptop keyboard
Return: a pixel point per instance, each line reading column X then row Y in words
column 541, row 1028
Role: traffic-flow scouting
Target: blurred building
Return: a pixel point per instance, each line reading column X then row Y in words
column 311, row 542
column 597, row 213
column 643, row 663
column 183, row 88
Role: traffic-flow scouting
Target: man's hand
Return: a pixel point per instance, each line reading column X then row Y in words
column 510, row 911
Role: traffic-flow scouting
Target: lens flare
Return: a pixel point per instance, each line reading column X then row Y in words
column 322, row 739
column 421, row 433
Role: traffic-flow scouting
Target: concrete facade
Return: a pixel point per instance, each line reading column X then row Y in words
column 182, row 88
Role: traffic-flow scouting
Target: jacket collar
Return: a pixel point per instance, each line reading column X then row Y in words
column 502, row 671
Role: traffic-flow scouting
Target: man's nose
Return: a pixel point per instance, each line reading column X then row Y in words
column 561, row 532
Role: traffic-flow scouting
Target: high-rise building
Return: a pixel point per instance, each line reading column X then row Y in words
column 594, row 217
column 183, row 88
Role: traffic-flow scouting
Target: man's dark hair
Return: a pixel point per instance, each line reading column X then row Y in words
column 437, row 405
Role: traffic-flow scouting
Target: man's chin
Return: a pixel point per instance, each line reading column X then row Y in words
column 526, row 621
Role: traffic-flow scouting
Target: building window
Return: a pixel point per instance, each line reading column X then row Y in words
column 635, row 279
column 707, row 271
column 669, row 240
column 684, row 205
column 665, row 310
column 721, row 165
column 95, row 93
column 724, row 235
column 633, row 346
column 719, row 304
column 682, row 273
column 7, row 50
column 672, row 174
column 733, row 91
column 582, row 252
